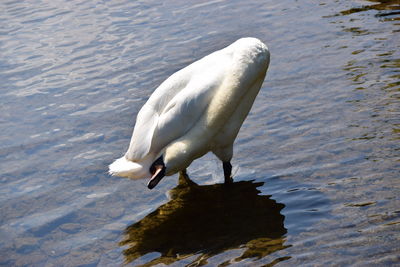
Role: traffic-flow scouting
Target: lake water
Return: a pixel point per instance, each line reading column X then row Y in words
column 316, row 162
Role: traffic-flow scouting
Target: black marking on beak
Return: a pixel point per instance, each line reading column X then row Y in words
column 157, row 169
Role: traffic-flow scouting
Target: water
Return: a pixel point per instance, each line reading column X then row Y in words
column 317, row 160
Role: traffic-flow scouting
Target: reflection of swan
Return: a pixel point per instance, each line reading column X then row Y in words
column 208, row 220
column 198, row 109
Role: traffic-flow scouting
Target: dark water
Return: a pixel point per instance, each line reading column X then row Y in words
column 316, row 162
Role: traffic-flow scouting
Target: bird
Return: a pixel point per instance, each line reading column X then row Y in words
column 198, row 109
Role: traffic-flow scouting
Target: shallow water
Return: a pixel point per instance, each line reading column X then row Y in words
column 316, row 162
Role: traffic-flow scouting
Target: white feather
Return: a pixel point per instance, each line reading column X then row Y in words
column 130, row 169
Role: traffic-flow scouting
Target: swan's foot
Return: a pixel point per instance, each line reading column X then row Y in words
column 227, row 172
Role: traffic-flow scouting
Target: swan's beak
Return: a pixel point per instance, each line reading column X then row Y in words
column 157, row 170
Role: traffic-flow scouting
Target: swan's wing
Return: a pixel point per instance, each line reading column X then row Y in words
column 146, row 122
column 154, row 130
column 148, row 116
column 186, row 108
column 176, row 105
column 182, row 112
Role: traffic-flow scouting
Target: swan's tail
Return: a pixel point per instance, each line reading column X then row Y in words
column 129, row 169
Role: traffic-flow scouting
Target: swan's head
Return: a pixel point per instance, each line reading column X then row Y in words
column 137, row 170
column 174, row 159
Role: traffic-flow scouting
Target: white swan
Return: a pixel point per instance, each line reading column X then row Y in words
column 196, row 110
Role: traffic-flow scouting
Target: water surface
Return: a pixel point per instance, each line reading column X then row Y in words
column 316, row 162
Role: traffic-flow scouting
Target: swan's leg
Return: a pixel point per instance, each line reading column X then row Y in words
column 227, row 172
column 183, row 173
column 184, row 178
column 224, row 153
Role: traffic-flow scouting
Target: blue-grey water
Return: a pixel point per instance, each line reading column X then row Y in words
column 316, row 162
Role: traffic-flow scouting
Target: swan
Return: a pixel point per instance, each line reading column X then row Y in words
column 198, row 109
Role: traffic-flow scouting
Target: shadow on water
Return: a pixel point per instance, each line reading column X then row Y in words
column 207, row 220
